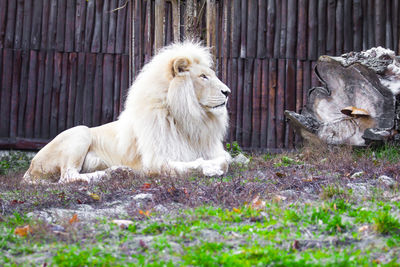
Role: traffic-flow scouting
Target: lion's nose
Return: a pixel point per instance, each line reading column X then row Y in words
column 225, row 93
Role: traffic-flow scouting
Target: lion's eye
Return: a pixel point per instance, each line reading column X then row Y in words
column 204, row 76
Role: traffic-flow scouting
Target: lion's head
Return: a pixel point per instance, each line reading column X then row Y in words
column 178, row 101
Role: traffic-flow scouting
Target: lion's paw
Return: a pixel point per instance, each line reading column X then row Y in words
column 210, row 169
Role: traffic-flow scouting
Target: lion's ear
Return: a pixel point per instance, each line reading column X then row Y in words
column 180, row 65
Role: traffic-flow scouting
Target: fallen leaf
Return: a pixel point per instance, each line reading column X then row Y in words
column 123, row 223
column 257, row 203
column 14, row 202
column 79, row 201
column 237, row 210
column 23, row 231
column 296, row 245
column 145, row 213
column 280, row 175
column 146, row 186
column 74, row 219
column 334, row 206
column 94, row 196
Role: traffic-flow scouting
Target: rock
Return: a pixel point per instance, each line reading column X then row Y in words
column 386, row 180
column 161, row 209
column 123, row 223
column 241, row 159
column 359, row 190
column 143, row 196
column 357, row 175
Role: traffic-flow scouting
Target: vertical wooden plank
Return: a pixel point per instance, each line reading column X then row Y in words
column 105, row 24
column 61, row 19
column 6, row 59
column 52, row 30
column 31, row 94
column 159, row 24
column 225, row 52
column 314, row 77
column 26, row 31
column 290, row 99
column 112, row 27
column 302, row 30
column 176, row 8
column 357, row 25
column 233, row 99
column 45, row 25
column 11, row 16
column 239, row 103
column 90, row 66
column 236, row 26
column 299, row 85
column 23, row 85
column 262, row 29
column 379, row 24
column 89, row 25
column 211, row 22
column 283, row 29
column 280, row 104
column 16, row 77
column 306, row 80
column 322, row 26
column 72, row 90
column 63, row 107
column 108, row 92
column 36, row 25
column 251, row 41
column 80, row 19
column 39, row 95
column 330, row 35
column 389, row 31
column 243, row 29
column 47, row 90
column 348, row 23
column 365, row 20
column 247, row 101
column 80, row 88
column 339, row 27
column 272, row 84
column 256, row 104
column 3, row 20
column 371, row 23
column 70, row 26
column 117, row 87
column 55, row 95
column 124, row 82
column 312, row 30
column 396, row 26
column 121, row 28
column 271, row 20
column 98, row 90
column 291, row 29
column 19, row 24
column 264, row 104
column 96, row 40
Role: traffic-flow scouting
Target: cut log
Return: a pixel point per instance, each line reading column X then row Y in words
column 358, row 102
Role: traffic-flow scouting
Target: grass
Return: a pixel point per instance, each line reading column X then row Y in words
column 293, row 209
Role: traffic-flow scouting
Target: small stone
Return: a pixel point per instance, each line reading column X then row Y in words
column 143, row 197
column 123, row 224
column 386, row 180
column 357, row 175
column 241, row 159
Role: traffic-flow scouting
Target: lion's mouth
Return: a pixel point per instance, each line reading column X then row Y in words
column 217, row 106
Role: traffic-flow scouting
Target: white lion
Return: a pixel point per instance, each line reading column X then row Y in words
column 174, row 121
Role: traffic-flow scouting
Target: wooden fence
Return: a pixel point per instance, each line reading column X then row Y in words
column 67, row 62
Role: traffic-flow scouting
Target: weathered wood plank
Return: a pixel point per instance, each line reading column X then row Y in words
column 72, row 90
column 11, row 21
column 264, row 104
column 124, row 81
column 272, row 84
column 247, row 101
column 89, row 25
column 256, row 104
column 291, row 29
column 106, row 23
column 112, row 26
column 31, row 94
column 290, row 99
column 39, row 94
column 16, row 77
column 357, row 25
column 80, row 88
column 271, row 20
column 252, row 19
column 262, row 29
column 61, row 20
column 339, row 27
column 121, row 27
column 6, row 61
column 117, row 87
column 380, row 12
column 396, row 26
column 232, row 104
column 239, row 102
column 236, row 26
column 98, row 90
column 45, row 25
column 19, row 24
column 348, row 25
column 322, row 26
column 80, row 19
column 388, row 27
column 63, row 106
column 280, row 104
column 283, row 29
column 88, row 92
column 3, row 21
column 23, row 88
column 371, row 23
column 36, row 25
column 331, row 21
column 70, row 26
column 312, row 30
column 243, row 29
column 55, row 95
column 159, row 24
column 108, row 89
column 27, row 25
